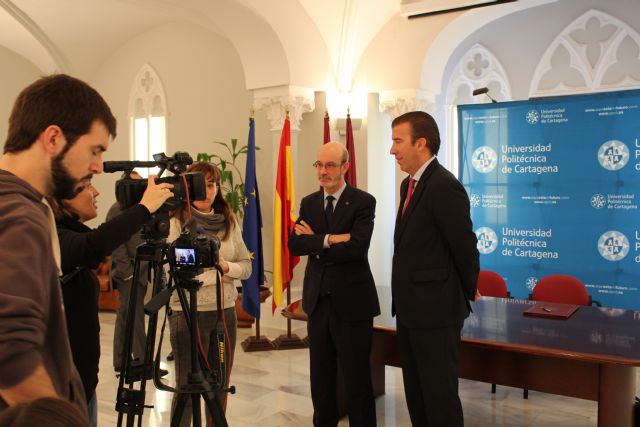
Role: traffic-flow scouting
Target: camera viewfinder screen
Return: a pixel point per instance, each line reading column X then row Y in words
column 185, row 256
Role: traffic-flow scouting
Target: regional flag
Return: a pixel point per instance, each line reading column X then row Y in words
column 327, row 131
column 283, row 219
column 252, row 230
column 350, row 176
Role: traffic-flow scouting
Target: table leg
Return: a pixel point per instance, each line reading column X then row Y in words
column 616, row 395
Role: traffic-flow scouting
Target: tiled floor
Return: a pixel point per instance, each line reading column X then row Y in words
column 273, row 390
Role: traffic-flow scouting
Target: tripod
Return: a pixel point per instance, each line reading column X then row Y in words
column 130, row 401
column 198, row 383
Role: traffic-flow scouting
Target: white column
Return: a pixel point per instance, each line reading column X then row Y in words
column 384, row 177
column 381, row 183
column 276, row 102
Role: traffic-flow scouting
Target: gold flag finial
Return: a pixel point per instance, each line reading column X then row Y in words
column 348, row 111
column 252, row 112
column 326, row 113
column 286, row 110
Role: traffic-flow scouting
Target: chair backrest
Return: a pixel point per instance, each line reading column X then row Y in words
column 562, row 289
column 491, row 284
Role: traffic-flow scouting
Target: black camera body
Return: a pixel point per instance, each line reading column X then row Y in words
column 129, row 191
column 194, row 253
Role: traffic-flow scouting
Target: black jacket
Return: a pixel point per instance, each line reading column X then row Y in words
column 83, row 249
column 435, row 258
column 344, row 267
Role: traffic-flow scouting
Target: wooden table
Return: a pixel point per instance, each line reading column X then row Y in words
column 591, row 355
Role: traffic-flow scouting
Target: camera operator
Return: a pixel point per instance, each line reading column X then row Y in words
column 82, row 250
column 215, row 218
column 58, row 129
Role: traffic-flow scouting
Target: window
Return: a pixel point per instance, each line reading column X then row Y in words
column 147, row 113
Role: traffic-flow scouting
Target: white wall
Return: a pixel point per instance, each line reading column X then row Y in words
column 204, row 87
column 15, row 74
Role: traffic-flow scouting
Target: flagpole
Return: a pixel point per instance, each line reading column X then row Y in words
column 252, row 224
column 258, row 342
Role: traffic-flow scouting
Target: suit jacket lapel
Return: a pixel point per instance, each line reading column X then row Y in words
column 418, row 190
column 403, row 194
column 316, row 214
column 341, row 207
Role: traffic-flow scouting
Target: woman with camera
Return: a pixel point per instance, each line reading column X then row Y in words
column 82, row 250
column 214, row 218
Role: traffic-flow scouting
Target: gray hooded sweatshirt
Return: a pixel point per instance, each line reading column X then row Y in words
column 32, row 322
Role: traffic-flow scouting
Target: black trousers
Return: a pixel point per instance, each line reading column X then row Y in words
column 429, row 359
column 333, row 340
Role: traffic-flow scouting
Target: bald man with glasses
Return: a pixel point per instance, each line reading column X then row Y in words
column 339, row 296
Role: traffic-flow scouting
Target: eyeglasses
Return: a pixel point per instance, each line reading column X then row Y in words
column 330, row 166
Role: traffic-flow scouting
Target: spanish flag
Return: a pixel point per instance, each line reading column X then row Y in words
column 283, row 219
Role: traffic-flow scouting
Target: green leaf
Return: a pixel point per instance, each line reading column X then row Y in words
column 203, row 157
column 226, row 176
column 224, row 144
column 234, row 142
column 223, row 164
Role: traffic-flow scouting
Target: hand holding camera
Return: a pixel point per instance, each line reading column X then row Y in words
column 156, row 194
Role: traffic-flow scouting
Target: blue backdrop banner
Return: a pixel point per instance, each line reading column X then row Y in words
column 554, row 186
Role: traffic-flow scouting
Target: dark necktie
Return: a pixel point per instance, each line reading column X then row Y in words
column 412, row 183
column 328, row 210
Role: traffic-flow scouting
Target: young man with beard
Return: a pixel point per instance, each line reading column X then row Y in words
column 58, row 129
column 339, row 295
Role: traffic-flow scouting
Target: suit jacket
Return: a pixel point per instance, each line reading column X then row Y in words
column 435, row 259
column 343, row 267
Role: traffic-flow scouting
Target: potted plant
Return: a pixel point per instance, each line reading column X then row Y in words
column 231, row 177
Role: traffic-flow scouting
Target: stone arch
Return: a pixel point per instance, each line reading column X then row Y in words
column 595, row 52
column 19, row 33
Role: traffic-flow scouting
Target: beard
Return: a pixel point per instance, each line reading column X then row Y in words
column 64, row 185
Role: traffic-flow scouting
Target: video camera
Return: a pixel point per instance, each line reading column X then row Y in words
column 129, row 191
column 194, row 253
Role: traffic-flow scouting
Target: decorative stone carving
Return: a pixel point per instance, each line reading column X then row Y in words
column 397, row 102
column 276, row 101
column 478, row 68
column 147, row 94
column 595, row 52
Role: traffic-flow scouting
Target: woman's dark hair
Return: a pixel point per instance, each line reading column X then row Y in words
column 59, row 100
column 60, row 210
column 219, row 204
column 49, row 411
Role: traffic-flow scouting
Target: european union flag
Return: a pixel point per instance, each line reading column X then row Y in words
column 252, row 230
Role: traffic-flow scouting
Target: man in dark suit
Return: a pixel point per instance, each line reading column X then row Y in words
column 334, row 229
column 434, row 275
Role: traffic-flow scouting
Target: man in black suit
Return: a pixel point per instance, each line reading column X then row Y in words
column 434, row 275
column 339, row 296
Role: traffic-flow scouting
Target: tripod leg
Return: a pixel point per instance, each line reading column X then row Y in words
column 195, row 410
column 178, row 410
column 215, row 409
